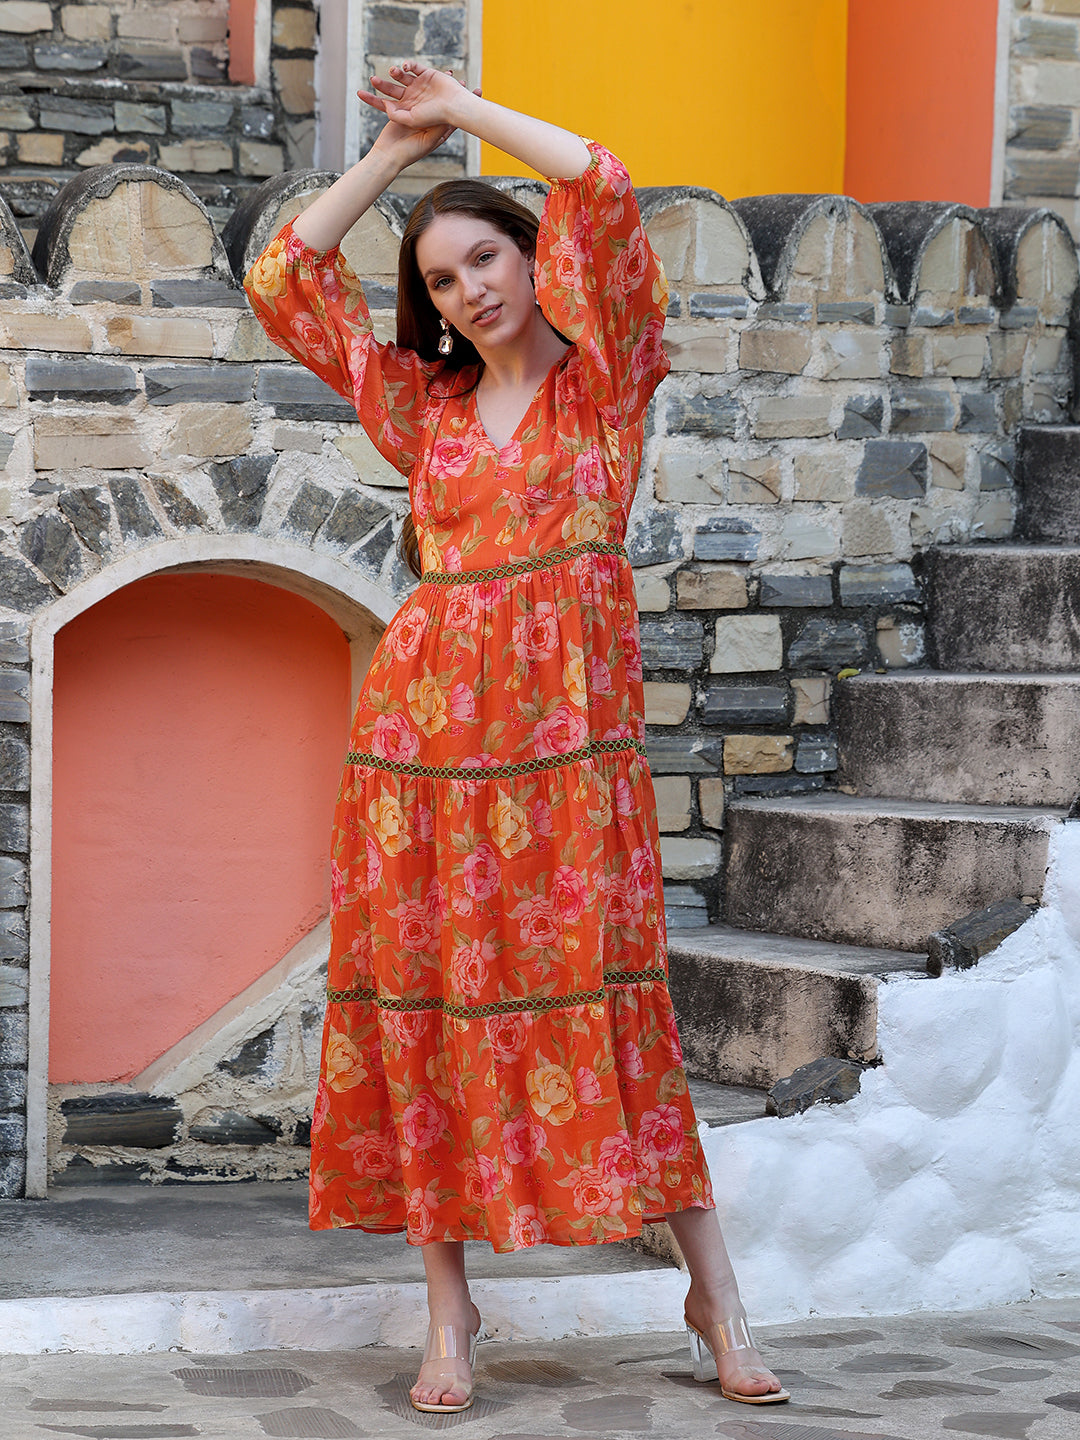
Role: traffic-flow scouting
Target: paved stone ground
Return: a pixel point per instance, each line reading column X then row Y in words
column 1012, row 1373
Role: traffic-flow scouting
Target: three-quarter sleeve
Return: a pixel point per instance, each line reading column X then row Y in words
column 599, row 282
column 310, row 303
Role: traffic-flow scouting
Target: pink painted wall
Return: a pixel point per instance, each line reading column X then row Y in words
column 200, row 726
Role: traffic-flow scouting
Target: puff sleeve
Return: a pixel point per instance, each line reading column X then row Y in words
column 310, row 304
column 599, row 282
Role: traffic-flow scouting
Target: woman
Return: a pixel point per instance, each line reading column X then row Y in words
column 500, row 1057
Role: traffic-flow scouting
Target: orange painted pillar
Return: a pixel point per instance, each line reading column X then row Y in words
column 242, row 42
column 200, row 725
column 920, row 100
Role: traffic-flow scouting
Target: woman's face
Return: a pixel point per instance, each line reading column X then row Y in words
column 478, row 279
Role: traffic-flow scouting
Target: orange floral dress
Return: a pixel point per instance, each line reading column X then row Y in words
column 500, row 1055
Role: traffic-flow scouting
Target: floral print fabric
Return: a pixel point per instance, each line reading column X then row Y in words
column 500, row 1055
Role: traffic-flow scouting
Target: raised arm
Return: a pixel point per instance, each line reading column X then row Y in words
column 423, row 107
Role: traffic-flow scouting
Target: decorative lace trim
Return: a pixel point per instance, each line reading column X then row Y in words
column 521, row 567
column 539, row 1003
column 494, row 772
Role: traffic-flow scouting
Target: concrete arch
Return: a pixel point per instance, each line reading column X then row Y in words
column 818, row 247
column 360, row 606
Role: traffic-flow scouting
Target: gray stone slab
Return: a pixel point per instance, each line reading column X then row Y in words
column 121, row 1118
column 997, row 464
column 241, row 488
column 184, row 513
column 310, row 507
column 297, row 394
column 711, row 416
column 978, row 414
column 671, row 644
column 915, row 411
column 862, row 417
column 656, row 539
column 256, row 122
column 13, row 1041
column 14, row 701
column 685, row 754
column 718, row 307
column 789, row 784
column 12, row 1088
column 75, row 117
column 892, row 467
column 14, row 828
column 14, row 767
column 14, row 642
column 785, row 310
column 84, row 379
column 148, row 64
column 49, row 542
column 141, row 119
column 13, row 892
column 89, row 511
column 354, row 515
column 726, row 539
column 71, row 59
column 136, row 519
column 824, row 643
column 796, row 591
column 976, row 315
column 230, row 1127
column 816, row 755
column 190, row 115
column 13, row 935
column 208, row 384
column 877, row 585
column 169, row 294
column 845, row 312
column 745, row 705
column 112, row 292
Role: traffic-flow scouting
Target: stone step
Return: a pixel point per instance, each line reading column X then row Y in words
column 228, row 1268
column 878, row 872
column 1012, row 608
column 974, row 739
column 1048, row 458
column 752, row 1008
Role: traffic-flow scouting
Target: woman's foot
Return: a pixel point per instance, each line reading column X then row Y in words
column 742, row 1373
column 446, row 1373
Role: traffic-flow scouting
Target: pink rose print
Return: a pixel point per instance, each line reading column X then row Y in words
column 507, row 1035
column 590, row 477
column 481, row 1183
column 416, row 928
column 374, row 1156
column 539, row 923
column 587, row 1085
column 311, row 336
column 543, row 822
column 648, row 354
column 631, row 266
column 616, row 1158
column 462, row 702
column 337, row 887
column 536, row 634
column 392, row 739
column 374, row 863
column 481, row 875
column 420, row 1210
column 595, row 1192
column 469, row 965
column 522, row 1140
column 527, row 1228
column 600, row 682
column 622, row 902
column 562, row 732
column 406, row 632
column 630, row 1060
column 661, row 1134
column 568, row 894
column 462, row 609
column 422, row 1122
column 452, row 456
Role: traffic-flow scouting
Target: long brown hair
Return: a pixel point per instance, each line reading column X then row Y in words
column 417, row 319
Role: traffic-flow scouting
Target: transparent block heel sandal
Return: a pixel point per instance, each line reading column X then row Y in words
column 722, row 1338
column 450, row 1344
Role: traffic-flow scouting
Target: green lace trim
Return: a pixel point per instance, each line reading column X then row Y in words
column 539, row 1003
column 521, row 567
column 494, row 772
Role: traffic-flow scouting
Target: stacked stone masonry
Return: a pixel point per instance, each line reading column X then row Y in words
column 1042, row 141
column 146, row 82
column 845, row 391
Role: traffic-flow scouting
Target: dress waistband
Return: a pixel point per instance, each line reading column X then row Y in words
column 521, row 567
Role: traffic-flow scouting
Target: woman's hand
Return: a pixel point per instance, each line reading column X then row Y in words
column 416, row 102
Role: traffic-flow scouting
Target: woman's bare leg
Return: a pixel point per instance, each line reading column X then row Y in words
column 714, row 1296
column 449, row 1303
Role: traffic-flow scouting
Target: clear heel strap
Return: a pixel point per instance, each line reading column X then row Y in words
column 720, row 1338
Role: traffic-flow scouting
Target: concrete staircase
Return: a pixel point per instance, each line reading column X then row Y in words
column 951, row 782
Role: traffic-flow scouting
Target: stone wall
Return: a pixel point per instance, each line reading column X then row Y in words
column 846, row 387
column 1042, row 145
column 146, row 82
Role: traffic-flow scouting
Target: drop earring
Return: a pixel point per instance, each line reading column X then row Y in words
column 446, row 340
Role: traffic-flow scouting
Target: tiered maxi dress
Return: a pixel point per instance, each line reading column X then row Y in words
column 500, row 1055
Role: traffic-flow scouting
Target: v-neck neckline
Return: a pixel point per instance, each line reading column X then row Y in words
column 499, row 449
